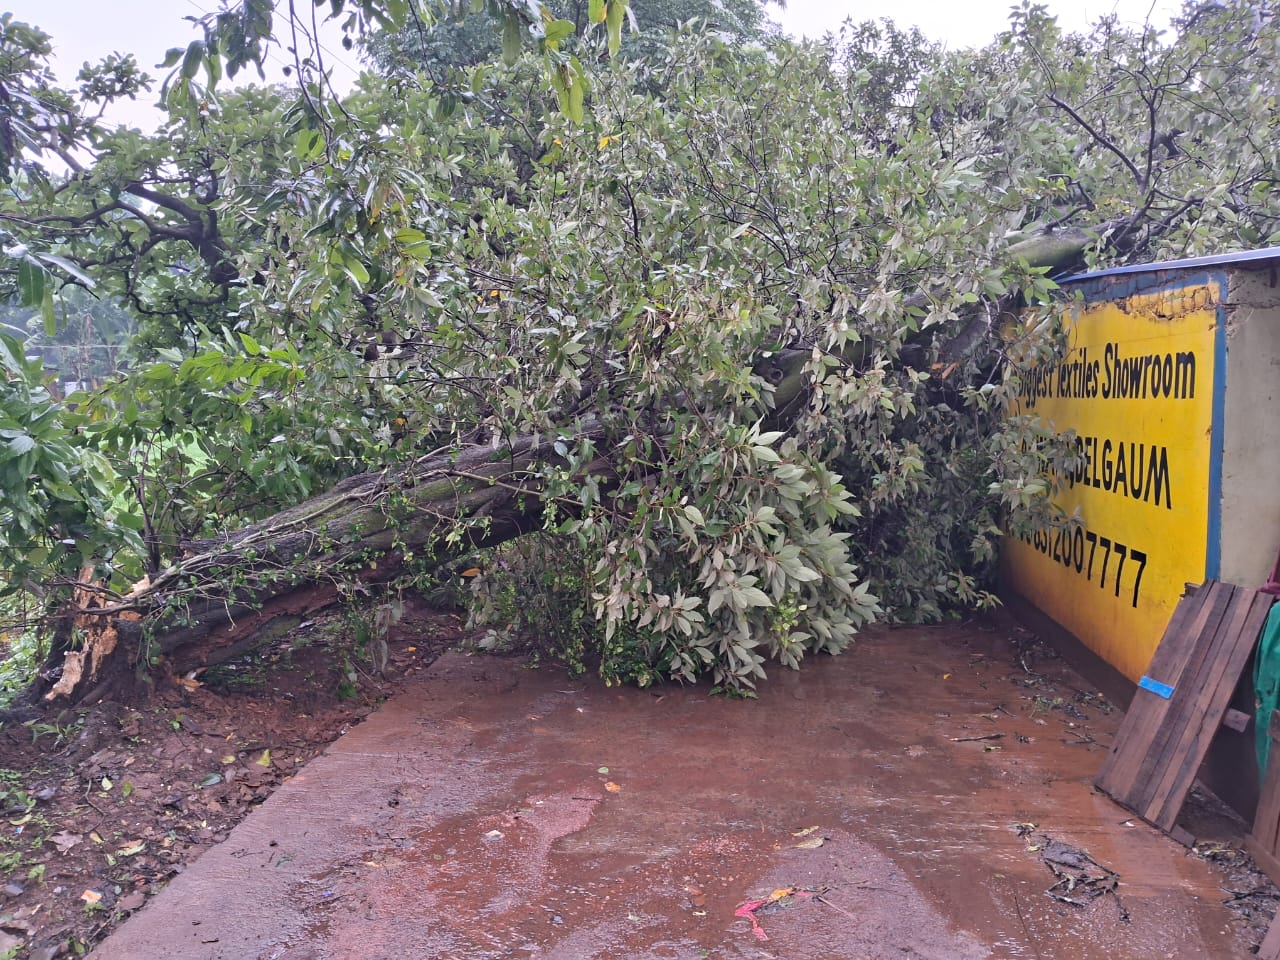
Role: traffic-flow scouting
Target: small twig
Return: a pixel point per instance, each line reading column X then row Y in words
column 834, row 906
column 989, row 736
column 102, row 816
column 1256, row 892
column 1026, row 933
column 1085, row 739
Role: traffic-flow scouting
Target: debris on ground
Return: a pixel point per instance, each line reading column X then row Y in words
column 107, row 804
column 779, row 898
column 1247, row 892
column 1080, row 878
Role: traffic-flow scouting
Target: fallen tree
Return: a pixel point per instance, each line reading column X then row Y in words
column 224, row 596
column 734, row 336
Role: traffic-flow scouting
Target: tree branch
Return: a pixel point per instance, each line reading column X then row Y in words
column 1074, row 115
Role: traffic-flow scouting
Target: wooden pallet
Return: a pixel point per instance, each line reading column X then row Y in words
column 1182, row 701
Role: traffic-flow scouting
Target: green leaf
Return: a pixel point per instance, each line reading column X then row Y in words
column 751, row 597
column 192, row 58
column 574, row 108
column 356, row 270
column 159, row 373
column 510, row 39
column 129, row 521
column 21, row 444
column 558, row 30
column 409, row 236
column 31, row 283
column 308, row 145
column 69, row 267
column 49, row 314
column 213, row 67
column 616, row 13
column 596, row 11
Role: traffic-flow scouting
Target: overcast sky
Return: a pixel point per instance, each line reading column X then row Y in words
column 89, row 29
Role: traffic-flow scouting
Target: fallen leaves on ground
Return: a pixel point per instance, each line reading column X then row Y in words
column 134, row 791
column 64, row 840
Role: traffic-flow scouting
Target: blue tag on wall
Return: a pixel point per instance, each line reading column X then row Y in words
column 1156, row 687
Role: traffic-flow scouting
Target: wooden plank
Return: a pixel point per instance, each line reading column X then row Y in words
column 1169, row 665
column 1192, row 650
column 1119, row 773
column 1216, row 681
column 1212, row 684
column 1255, row 606
column 1164, row 740
column 1236, row 720
column 1266, row 860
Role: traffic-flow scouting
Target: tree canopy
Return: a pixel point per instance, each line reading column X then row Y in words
column 733, row 326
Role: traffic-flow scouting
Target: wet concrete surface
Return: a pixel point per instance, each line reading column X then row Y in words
column 492, row 811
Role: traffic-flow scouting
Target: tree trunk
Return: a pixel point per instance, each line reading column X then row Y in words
column 227, row 594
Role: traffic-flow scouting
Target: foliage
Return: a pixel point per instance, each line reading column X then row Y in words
column 239, row 36
column 449, row 45
column 56, row 487
column 743, row 311
column 535, row 595
column 21, row 654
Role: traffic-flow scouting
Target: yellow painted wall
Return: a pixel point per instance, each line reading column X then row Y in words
column 1138, row 390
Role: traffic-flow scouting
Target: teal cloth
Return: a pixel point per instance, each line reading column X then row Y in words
column 1266, row 685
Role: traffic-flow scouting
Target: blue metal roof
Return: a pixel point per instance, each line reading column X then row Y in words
column 1219, row 260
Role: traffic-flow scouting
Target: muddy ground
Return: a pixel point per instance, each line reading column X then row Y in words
column 107, row 808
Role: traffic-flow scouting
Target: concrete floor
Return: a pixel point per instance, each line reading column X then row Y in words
column 492, row 811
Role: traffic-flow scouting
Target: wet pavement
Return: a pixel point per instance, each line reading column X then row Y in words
column 492, row 811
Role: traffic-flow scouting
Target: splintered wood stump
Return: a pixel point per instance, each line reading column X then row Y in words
column 1181, row 702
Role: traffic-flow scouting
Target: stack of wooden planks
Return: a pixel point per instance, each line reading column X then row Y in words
column 1182, row 701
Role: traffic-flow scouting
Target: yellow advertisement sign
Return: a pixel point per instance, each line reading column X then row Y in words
column 1140, row 389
